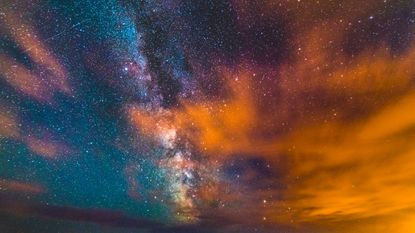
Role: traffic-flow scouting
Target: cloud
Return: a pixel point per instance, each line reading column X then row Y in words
column 48, row 148
column 8, row 124
column 47, row 76
column 7, row 185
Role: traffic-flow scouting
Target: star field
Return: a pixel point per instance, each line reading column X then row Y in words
column 207, row 116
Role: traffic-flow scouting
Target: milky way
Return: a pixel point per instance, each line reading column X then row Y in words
column 207, row 116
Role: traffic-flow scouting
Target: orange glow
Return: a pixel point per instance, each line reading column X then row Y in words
column 223, row 126
column 158, row 125
column 355, row 171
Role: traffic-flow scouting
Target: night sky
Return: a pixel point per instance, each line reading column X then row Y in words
column 208, row 116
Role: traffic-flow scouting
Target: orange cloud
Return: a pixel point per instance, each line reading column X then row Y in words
column 355, row 170
column 344, row 128
column 343, row 168
column 223, row 126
